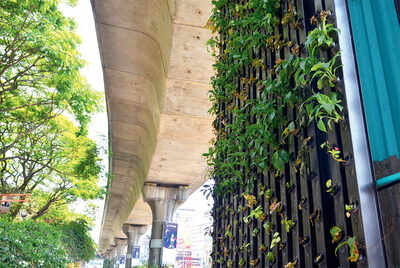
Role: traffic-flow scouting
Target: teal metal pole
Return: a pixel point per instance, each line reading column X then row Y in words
column 385, row 181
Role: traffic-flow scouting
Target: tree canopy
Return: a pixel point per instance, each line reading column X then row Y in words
column 45, row 106
column 31, row 244
column 39, row 244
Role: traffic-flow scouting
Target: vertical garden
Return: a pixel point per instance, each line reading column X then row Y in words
column 285, row 186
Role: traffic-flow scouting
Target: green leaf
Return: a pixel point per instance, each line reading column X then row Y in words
column 270, row 256
column 321, row 125
column 291, row 126
column 279, row 159
column 336, row 233
column 320, row 83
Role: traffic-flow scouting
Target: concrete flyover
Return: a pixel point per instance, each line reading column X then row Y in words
column 156, row 73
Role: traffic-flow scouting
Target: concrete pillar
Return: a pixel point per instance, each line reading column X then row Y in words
column 120, row 242
column 106, row 259
column 113, row 253
column 110, row 258
column 163, row 201
column 133, row 232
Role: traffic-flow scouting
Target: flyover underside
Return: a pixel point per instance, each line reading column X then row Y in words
column 156, row 72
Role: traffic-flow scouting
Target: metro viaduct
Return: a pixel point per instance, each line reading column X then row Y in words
column 156, row 74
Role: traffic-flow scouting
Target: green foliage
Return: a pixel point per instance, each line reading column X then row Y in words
column 336, row 233
column 322, row 36
column 271, row 256
column 325, row 72
column 40, row 64
column 244, row 147
column 30, row 244
column 253, row 122
column 57, row 167
column 276, row 240
column 321, row 107
column 256, row 213
column 353, row 249
column 38, row 244
column 268, row 226
column 77, row 241
column 287, row 223
column 41, row 151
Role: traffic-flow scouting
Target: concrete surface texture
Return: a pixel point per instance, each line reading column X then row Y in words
column 156, row 73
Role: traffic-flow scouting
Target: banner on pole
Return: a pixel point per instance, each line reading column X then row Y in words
column 135, row 252
column 170, row 235
column 122, row 260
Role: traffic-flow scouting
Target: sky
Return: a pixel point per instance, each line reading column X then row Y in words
column 98, row 129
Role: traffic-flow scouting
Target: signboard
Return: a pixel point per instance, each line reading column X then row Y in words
column 170, row 235
column 122, row 260
column 184, row 259
column 135, row 252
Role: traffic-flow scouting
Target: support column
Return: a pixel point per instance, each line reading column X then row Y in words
column 163, row 201
column 113, row 253
column 133, row 232
column 106, row 260
column 120, row 244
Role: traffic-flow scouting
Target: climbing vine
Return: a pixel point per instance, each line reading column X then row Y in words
column 251, row 97
column 252, row 138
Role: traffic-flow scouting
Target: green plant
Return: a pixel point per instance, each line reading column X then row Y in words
column 319, row 258
column 333, row 151
column 320, row 107
column 271, row 256
column 77, row 241
column 256, row 213
column 322, row 36
column 353, row 249
column 268, row 194
column 228, row 233
column 275, row 206
column 331, row 187
column 287, row 223
column 268, row 226
column 336, row 233
column 252, row 134
column 254, row 232
column 31, row 244
column 325, row 72
column 350, row 209
column 276, row 240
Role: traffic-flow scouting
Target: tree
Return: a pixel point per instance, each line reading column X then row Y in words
column 41, row 151
column 39, row 244
column 53, row 164
column 40, row 65
column 31, row 244
column 77, row 241
column 39, row 69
